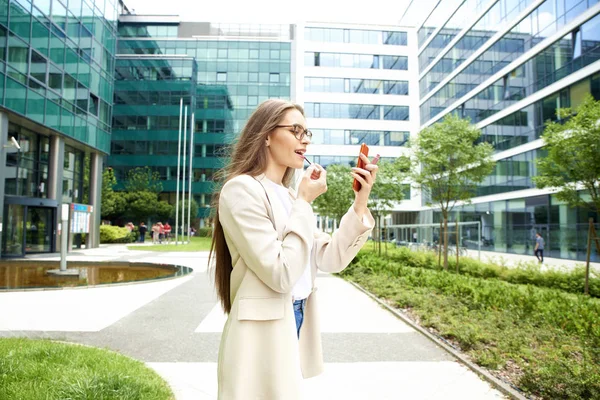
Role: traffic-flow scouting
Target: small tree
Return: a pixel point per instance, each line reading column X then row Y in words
column 339, row 196
column 143, row 205
column 447, row 164
column 143, row 179
column 112, row 203
column 573, row 161
column 387, row 191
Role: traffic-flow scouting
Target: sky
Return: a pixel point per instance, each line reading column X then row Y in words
column 383, row 12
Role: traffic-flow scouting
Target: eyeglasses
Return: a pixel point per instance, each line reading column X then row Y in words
column 298, row 131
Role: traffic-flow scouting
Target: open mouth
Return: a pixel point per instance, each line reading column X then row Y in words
column 300, row 153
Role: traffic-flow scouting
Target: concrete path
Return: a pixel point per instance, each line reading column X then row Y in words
column 175, row 327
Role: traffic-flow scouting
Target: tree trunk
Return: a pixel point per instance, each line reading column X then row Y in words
column 446, row 242
column 379, row 234
column 440, row 241
column 456, row 245
column 587, row 257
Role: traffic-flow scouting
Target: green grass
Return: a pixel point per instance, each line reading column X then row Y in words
column 42, row 370
column 196, row 244
column 546, row 340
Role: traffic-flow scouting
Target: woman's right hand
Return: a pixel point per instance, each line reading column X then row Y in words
column 313, row 183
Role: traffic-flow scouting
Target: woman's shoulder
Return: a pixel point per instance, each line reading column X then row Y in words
column 240, row 187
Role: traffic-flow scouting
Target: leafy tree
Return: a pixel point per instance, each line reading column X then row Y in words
column 339, row 196
column 573, row 160
column 447, row 164
column 144, row 205
column 143, row 179
column 387, row 191
column 112, row 203
column 185, row 203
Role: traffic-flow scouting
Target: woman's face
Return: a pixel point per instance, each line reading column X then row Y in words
column 285, row 149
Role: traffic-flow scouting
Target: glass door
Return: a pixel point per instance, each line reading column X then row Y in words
column 38, row 230
column 12, row 241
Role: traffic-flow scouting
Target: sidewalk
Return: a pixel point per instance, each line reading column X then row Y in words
column 511, row 260
column 175, row 327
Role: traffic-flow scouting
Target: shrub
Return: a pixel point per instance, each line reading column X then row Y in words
column 550, row 335
column 204, row 232
column 116, row 234
column 571, row 281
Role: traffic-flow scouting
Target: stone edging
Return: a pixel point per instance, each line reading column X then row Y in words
column 497, row 383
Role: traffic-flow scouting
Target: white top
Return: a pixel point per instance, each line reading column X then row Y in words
column 303, row 287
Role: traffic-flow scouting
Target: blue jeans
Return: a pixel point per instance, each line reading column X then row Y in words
column 299, row 306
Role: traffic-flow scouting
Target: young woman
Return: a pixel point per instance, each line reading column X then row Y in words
column 266, row 251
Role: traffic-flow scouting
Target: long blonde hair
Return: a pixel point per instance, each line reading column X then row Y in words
column 248, row 156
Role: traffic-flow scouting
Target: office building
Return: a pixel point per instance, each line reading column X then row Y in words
column 56, row 93
column 508, row 66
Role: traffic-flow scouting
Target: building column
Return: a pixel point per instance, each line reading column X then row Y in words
column 55, row 180
column 93, row 239
column 3, row 142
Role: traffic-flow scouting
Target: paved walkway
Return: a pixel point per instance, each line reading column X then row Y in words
column 175, row 327
column 511, row 260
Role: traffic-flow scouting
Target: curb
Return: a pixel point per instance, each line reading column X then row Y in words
column 497, row 383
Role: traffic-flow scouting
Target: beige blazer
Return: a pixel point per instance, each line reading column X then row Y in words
column 260, row 356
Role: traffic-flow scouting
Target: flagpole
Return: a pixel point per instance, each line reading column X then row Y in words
column 178, row 161
column 190, row 174
column 183, row 185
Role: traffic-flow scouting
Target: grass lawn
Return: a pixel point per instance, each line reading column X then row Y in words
column 41, row 370
column 196, row 244
column 545, row 341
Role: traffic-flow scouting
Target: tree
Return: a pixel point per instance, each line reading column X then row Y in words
column 112, row 203
column 144, row 205
column 447, row 164
column 339, row 196
column 143, row 179
column 184, row 203
column 573, row 160
column 387, row 190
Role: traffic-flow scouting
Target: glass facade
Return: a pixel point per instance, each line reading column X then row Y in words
column 572, row 52
column 356, row 111
column 349, row 136
column 57, row 65
column 356, row 36
column 221, row 82
column 516, row 210
column 509, row 226
column 347, row 85
column 343, row 60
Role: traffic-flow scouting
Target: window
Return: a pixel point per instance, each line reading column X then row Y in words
column 274, row 78
column 38, row 67
column 221, row 76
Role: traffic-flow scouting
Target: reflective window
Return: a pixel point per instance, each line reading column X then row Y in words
column 316, row 59
column 351, row 111
column 347, row 85
column 357, row 36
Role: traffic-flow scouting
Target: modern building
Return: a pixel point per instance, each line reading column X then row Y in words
column 358, row 84
column 56, row 94
column 509, row 65
column 221, row 71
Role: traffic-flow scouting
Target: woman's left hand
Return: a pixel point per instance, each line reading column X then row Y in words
column 366, row 177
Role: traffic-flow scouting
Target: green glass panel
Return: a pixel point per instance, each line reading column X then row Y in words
column 67, row 122
column 57, row 50
column 52, row 115
column 20, row 20
column 15, row 96
column 39, row 37
column 4, row 12
column 35, row 106
column 71, row 62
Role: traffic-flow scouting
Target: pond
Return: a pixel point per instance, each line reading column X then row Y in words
column 29, row 274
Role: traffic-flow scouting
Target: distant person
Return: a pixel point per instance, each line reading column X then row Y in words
column 155, row 233
column 143, row 229
column 415, row 237
column 167, row 230
column 539, row 247
column 129, row 226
